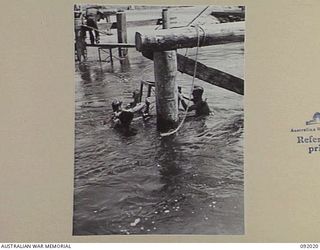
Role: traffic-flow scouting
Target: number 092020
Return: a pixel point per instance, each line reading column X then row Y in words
column 309, row 245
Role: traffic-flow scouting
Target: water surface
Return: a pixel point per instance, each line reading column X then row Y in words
column 140, row 183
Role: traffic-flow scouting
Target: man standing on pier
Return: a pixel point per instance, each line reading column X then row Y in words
column 93, row 15
column 79, row 31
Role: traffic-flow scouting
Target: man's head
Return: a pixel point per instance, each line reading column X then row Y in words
column 116, row 105
column 197, row 93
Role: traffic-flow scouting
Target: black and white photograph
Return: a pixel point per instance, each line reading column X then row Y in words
column 159, row 120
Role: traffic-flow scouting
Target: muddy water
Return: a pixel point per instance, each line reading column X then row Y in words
column 140, row 183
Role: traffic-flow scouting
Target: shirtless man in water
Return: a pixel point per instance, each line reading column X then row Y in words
column 123, row 117
column 200, row 106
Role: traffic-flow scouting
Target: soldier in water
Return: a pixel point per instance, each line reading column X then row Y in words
column 122, row 118
column 200, row 106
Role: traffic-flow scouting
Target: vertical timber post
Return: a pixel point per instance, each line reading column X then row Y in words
column 165, row 71
column 141, row 91
column 165, row 19
column 109, row 24
column 122, row 32
column 111, row 57
column 99, row 53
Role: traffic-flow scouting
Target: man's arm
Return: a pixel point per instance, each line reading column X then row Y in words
column 184, row 105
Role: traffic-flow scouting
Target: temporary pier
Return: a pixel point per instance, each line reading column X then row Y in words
column 122, row 44
column 161, row 45
column 109, row 47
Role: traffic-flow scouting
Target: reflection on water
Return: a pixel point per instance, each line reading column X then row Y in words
column 140, row 183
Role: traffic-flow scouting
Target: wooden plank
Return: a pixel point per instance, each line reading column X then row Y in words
column 226, row 13
column 187, row 37
column 136, row 23
column 112, row 45
column 210, row 75
column 108, row 12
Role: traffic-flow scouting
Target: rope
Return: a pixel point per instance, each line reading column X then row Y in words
column 191, row 90
column 203, row 36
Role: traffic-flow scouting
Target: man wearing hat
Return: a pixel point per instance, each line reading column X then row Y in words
column 200, row 106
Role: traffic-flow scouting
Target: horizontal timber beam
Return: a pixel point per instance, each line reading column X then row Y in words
column 226, row 13
column 187, row 37
column 210, row 75
column 112, row 45
column 135, row 23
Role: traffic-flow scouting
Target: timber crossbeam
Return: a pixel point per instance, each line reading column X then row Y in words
column 189, row 37
column 210, row 75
